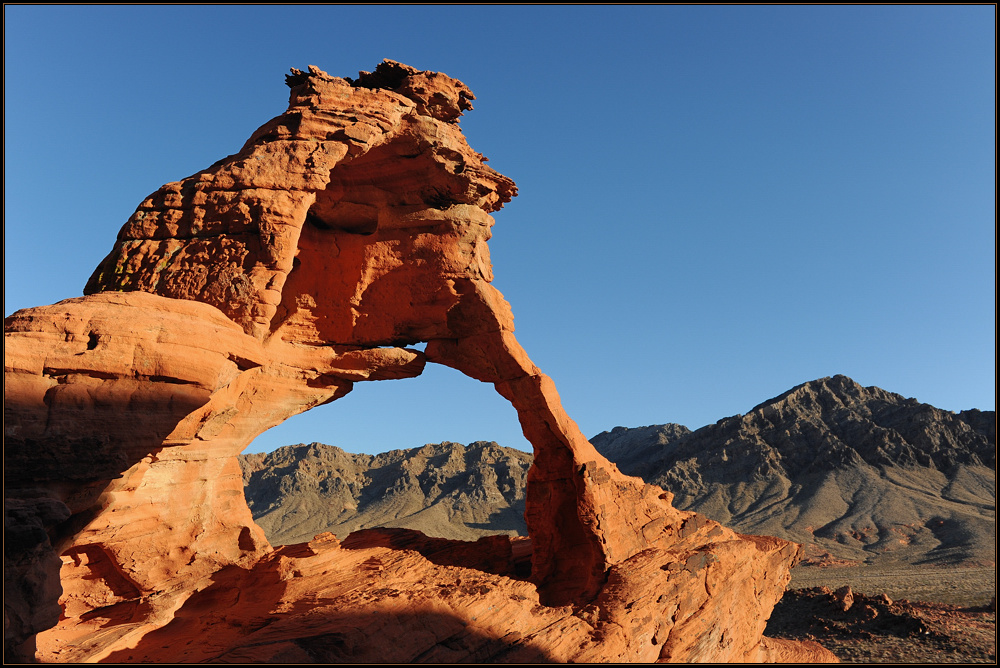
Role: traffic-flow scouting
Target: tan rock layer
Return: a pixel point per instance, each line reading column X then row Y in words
column 347, row 228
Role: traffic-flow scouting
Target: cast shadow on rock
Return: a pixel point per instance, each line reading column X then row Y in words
column 497, row 555
column 241, row 617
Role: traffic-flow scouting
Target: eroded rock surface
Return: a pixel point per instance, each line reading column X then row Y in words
column 348, row 228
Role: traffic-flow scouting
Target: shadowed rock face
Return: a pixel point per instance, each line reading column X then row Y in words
column 347, row 228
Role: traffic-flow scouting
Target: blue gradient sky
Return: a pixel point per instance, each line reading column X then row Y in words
column 717, row 203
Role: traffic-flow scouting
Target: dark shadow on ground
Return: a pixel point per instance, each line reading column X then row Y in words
column 499, row 555
column 241, row 618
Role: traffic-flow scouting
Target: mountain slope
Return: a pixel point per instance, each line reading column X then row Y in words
column 852, row 472
column 446, row 490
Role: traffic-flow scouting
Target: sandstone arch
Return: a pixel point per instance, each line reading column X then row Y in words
column 348, row 228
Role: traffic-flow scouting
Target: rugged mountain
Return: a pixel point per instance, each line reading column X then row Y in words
column 446, row 490
column 852, row 472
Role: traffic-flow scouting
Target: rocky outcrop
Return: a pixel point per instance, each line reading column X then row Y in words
column 348, row 228
column 853, row 473
column 445, row 490
column 366, row 601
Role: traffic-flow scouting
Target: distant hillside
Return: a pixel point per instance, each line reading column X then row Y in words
column 446, row 490
column 857, row 473
column 854, row 473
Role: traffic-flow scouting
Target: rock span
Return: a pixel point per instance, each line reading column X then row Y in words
column 351, row 226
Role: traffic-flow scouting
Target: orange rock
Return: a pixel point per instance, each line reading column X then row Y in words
column 351, row 226
column 844, row 597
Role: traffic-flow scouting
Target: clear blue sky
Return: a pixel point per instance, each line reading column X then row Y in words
column 717, row 203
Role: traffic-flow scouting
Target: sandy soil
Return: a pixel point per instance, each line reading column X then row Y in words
column 969, row 586
column 892, row 615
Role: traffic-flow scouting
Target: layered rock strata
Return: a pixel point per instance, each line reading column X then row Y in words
column 348, row 228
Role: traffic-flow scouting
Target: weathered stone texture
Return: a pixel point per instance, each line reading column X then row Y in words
column 351, row 226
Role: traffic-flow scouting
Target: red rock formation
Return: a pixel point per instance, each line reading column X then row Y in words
column 351, row 226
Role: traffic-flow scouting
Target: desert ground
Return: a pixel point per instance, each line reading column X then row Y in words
column 904, row 614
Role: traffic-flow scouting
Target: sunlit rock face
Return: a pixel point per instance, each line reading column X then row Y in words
column 348, row 228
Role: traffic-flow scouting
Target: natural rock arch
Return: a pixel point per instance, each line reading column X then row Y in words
column 348, row 228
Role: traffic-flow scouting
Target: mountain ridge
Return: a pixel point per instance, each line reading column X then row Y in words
column 446, row 490
column 851, row 472
column 856, row 474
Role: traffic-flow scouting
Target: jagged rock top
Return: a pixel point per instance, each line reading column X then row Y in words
column 436, row 95
column 378, row 155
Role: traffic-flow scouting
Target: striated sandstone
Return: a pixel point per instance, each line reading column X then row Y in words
column 348, row 228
